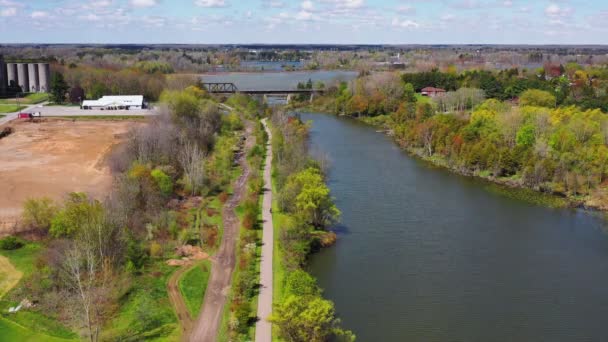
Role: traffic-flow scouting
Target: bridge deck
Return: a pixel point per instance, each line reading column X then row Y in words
column 230, row 88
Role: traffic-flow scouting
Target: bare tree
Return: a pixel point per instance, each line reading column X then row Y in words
column 191, row 159
column 80, row 265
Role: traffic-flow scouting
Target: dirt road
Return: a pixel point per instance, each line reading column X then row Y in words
column 207, row 325
column 55, row 157
column 181, row 310
column 263, row 328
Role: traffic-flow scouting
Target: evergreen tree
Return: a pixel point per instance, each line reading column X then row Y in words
column 59, row 88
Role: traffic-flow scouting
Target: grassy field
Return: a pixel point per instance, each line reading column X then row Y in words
column 11, row 331
column 9, row 276
column 28, row 325
column 10, row 108
column 145, row 312
column 193, row 284
column 27, row 100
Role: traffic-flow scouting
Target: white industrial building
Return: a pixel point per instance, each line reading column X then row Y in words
column 115, row 103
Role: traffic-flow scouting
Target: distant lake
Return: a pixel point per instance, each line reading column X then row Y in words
column 270, row 66
column 278, row 80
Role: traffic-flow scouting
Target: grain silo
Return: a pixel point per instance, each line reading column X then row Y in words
column 3, row 79
column 11, row 74
column 32, row 70
column 23, row 77
column 44, row 77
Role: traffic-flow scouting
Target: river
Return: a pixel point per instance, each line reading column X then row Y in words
column 427, row 255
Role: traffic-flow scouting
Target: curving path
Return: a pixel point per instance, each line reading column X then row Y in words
column 181, row 310
column 207, row 325
column 263, row 328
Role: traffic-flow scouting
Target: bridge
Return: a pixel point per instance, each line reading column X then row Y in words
column 225, row 88
column 230, row 88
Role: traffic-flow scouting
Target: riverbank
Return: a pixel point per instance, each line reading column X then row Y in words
column 469, row 264
column 511, row 186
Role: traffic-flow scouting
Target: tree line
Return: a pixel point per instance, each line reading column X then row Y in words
column 97, row 252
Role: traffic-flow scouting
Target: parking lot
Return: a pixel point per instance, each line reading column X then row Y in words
column 50, row 111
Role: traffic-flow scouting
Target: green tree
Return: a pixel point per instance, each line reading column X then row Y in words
column 308, row 319
column 78, row 214
column 526, row 136
column 59, row 87
column 313, row 200
column 163, row 181
column 535, row 97
column 300, row 283
column 38, row 213
column 409, row 94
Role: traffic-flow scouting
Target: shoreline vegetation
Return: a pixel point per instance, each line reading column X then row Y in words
column 303, row 210
column 536, row 131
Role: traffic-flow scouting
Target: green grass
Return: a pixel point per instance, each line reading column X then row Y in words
column 27, row 100
column 36, row 325
column 193, row 284
column 24, row 258
column 152, row 284
column 215, row 220
column 528, row 195
column 11, row 331
column 10, row 108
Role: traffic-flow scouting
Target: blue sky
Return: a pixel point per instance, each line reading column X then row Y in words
column 305, row 21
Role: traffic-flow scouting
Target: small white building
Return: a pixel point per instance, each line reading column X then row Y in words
column 119, row 102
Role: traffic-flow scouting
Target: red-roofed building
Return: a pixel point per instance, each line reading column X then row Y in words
column 432, row 92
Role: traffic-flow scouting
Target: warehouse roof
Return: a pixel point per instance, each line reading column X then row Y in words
column 120, row 100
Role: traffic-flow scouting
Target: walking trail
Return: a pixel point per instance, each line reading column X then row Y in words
column 207, row 325
column 263, row 328
column 181, row 310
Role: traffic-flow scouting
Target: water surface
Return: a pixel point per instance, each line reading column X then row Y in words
column 426, row 255
column 277, row 80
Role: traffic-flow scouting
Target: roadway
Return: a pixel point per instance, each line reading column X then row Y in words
column 61, row 111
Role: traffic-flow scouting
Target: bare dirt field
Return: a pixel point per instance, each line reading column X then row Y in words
column 53, row 158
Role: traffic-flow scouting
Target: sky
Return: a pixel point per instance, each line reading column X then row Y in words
column 305, row 21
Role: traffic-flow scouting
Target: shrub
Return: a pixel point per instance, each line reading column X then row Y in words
column 156, row 249
column 38, row 213
column 223, row 197
column 535, row 97
column 163, row 181
column 10, row 243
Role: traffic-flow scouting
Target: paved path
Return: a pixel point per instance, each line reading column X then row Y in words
column 263, row 328
column 207, row 325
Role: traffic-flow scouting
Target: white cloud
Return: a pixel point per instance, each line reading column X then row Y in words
column 273, row 3
column 39, row 14
column 405, row 23
column 556, row 11
column 350, row 4
column 211, row 3
column 307, row 5
column 143, row 3
column 100, row 3
column 304, row 16
column 406, row 9
column 90, row 17
column 8, row 12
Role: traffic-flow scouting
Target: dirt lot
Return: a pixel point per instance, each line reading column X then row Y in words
column 52, row 158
